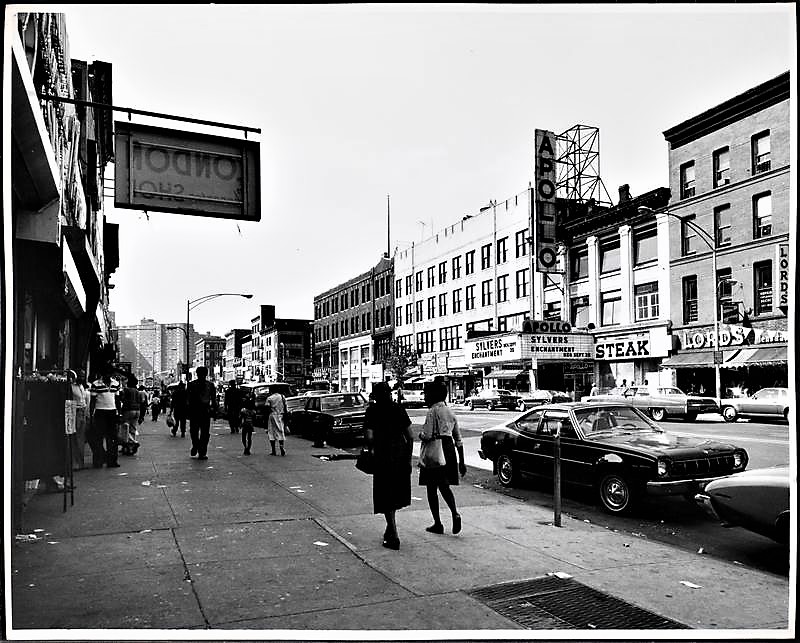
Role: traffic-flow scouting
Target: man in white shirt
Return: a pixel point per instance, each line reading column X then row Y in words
column 104, row 410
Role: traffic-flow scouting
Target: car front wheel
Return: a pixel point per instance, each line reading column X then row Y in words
column 691, row 417
column 615, row 493
column 729, row 413
column 658, row 414
column 506, row 470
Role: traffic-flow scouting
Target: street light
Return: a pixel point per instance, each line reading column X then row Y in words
column 711, row 243
column 191, row 304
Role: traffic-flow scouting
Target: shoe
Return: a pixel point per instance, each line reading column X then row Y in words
column 436, row 528
column 202, row 457
column 283, row 452
column 246, row 452
column 174, row 432
column 456, row 523
column 391, row 543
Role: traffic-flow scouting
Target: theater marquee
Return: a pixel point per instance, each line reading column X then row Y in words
column 165, row 170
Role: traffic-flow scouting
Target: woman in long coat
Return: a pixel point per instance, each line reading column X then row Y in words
column 389, row 433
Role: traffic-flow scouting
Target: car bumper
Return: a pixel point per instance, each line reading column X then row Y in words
column 703, row 500
column 679, row 487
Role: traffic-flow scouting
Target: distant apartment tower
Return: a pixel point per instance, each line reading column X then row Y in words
column 353, row 329
column 730, row 177
column 152, row 347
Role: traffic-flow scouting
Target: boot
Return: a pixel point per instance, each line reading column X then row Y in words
column 281, row 445
column 272, row 444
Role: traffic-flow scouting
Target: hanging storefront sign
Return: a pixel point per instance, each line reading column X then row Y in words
column 492, row 350
column 782, row 261
column 651, row 343
column 731, row 335
column 544, row 202
column 164, row 170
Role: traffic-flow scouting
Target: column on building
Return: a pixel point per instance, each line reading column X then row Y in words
column 626, row 274
column 664, row 289
column 594, row 281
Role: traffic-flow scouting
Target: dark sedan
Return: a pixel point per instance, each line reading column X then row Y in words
column 493, row 398
column 322, row 417
column 613, row 448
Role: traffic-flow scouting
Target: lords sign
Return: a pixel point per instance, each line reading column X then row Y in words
column 544, row 202
column 164, row 170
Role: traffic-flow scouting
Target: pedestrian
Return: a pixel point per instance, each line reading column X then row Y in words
column 178, row 404
column 233, row 405
column 276, row 405
column 624, row 383
column 104, row 411
column 247, row 416
column 129, row 408
column 593, row 390
column 81, row 399
column 203, row 405
column 155, row 406
column 143, row 403
column 441, row 424
column 389, row 434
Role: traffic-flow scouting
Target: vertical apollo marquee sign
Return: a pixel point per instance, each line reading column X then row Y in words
column 544, row 201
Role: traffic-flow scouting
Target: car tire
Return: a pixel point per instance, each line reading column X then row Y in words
column 785, row 415
column 520, row 406
column 471, row 405
column 507, row 474
column 489, row 406
column 729, row 413
column 616, row 493
column 691, row 417
column 658, row 414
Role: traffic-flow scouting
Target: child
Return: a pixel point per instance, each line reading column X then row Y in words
column 246, row 417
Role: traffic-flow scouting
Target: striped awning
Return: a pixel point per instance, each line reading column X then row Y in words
column 768, row 356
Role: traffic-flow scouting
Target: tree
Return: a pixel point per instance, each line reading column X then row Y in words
column 399, row 360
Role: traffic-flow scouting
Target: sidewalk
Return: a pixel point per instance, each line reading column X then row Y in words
column 280, row 545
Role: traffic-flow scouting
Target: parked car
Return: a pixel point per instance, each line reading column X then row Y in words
column 411, row 394
column 539, row 397
column 771, row 403
column 613, row 448
column 493, row 398
column 757, row 500
column 660, row 402
column 258, row 392
column 322, row 417
column 294, row 403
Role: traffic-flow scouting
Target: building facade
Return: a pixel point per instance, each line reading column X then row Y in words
column 233, row 367
column 210, row 351
column 354, row 318
column 151, row 347
column 729, row 226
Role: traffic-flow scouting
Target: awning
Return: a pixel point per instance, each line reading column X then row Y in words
column 699, row 359
column 759, row 357
column 506, row 374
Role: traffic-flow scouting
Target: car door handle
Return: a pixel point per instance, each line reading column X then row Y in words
column 536, row 445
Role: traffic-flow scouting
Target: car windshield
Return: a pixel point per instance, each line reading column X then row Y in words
column 346, row 401
column 612, row 419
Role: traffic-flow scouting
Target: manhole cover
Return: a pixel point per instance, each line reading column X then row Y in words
column 335, row 456
column 555, row 603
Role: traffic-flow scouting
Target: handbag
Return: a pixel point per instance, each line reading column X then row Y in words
column 366, row 461
column 431, row 454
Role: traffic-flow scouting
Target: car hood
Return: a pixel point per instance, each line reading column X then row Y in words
column 667, row 444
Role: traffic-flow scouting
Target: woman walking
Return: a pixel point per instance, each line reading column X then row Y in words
column 389, row 434
column 441, row 424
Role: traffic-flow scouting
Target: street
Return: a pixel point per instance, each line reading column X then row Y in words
column 670, row 520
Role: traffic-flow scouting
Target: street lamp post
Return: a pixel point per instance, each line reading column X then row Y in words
column 191, row 304
column 711, row 243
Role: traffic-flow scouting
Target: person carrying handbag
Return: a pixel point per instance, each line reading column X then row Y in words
column 441, row 424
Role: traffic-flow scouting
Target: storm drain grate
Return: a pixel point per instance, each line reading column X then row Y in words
column 556, row 603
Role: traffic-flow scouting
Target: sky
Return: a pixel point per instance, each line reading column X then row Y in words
column 432, row 105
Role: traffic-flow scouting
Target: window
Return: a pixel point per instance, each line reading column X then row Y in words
column 722, row 225
column 470, row 297
column 355, row 324
column 398, row 288
column 418, row 280
column 457, row 267
column 762, row 215
column 609, row 256
column 722, row 167
column 388, row 316
column 646, row 296
column 442, row 272
column 470, row 262
column 409, row 318
column 761, row 152
column 552, row 310
column 431, row 277
column 522, row 283
column 611, row 308
column 450, row 338
column 380, row 315
column 501, row 250
column 486, row 256
column 502, row 289
column 762, row 278
column 730, row 309
column 425, row 342
column 689, row 238
column 486, row 293
column 355, row 297
column 345, row 331
column 369, row 322
column 408, row 285
column 579, row 263
column 645, row 245
column 457, row 300
column 521, row 241
column 443, row 304
column 418, row 311
column 687, row 180
column 431, row 307
column 689, row 289
column 579, row 311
